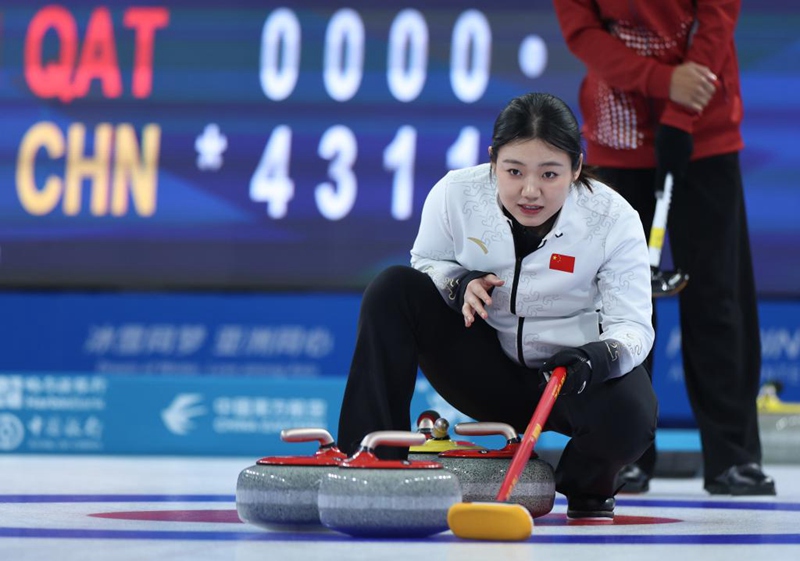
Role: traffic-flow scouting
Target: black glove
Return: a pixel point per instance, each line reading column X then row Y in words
column 586, row 365
column 673, row 149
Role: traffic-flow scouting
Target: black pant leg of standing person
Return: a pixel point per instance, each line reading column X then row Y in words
column 719, row 315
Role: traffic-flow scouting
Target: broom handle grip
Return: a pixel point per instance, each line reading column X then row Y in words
column 658, row 230
column 532, row 433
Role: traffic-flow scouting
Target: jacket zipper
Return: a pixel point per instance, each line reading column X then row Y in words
column 521, row 320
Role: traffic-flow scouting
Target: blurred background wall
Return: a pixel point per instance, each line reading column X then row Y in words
column 194, row 193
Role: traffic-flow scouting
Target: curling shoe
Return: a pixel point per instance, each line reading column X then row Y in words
column 632, row 479
column 590, row 508
column 746, row 479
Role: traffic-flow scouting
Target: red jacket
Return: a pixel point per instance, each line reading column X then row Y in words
column 630, row 48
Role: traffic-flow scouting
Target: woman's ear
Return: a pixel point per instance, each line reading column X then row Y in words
column 489, row 150
column 577, row 173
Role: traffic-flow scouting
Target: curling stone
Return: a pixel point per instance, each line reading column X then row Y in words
column 369, row 497
column 481, row 472
column 425, row 422
column 779, row 426
column 280, row 492
column 436, row 431
column 769, row 401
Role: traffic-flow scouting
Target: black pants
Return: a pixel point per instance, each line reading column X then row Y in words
column 718, row 308
column 405, row 324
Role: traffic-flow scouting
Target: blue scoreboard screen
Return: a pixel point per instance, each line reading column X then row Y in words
column 257, row 145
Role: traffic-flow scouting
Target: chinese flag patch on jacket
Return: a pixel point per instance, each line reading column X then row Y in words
column 564, row 263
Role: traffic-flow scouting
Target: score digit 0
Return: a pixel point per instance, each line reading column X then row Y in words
column 407, row 57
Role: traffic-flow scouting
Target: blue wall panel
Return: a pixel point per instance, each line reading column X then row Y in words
column 223, row 374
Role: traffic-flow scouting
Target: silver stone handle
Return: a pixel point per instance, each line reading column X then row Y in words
column 392, row 438
column 307, row 435
column 486, row 429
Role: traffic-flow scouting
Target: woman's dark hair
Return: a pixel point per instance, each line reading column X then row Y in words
column 545, row 117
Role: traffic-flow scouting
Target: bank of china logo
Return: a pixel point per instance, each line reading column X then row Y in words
column 179, row 416
column 12, row 432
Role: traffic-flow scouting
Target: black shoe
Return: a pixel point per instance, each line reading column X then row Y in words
column 633, row 479
column 746, row 479
column 590, row 507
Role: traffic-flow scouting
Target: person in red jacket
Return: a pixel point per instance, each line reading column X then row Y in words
column 661, row 95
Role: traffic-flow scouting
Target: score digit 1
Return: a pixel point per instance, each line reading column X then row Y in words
column 399, row 157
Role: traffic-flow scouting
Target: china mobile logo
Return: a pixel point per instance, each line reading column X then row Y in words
column 179, row 416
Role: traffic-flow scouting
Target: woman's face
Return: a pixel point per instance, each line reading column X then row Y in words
column 533, row 180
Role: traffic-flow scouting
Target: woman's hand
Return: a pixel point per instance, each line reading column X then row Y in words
column 476, row 297
column 692, row 85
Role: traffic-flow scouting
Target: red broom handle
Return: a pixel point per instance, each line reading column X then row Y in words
column 532, row 433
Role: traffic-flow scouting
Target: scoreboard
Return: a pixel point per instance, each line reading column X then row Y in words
column 264, row 145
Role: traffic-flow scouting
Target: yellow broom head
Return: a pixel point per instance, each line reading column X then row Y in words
column 490, row 521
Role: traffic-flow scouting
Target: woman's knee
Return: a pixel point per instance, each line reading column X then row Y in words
column 395, row 284
column 622, row 416
column 636, row 412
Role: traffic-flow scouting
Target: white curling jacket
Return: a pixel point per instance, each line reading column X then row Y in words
column 543, row 307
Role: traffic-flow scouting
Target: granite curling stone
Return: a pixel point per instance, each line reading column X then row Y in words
column 369, row 497
column 481, row 472
column 779, row 425
column 281, row 492
column 425, row 422
column 436, row 431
